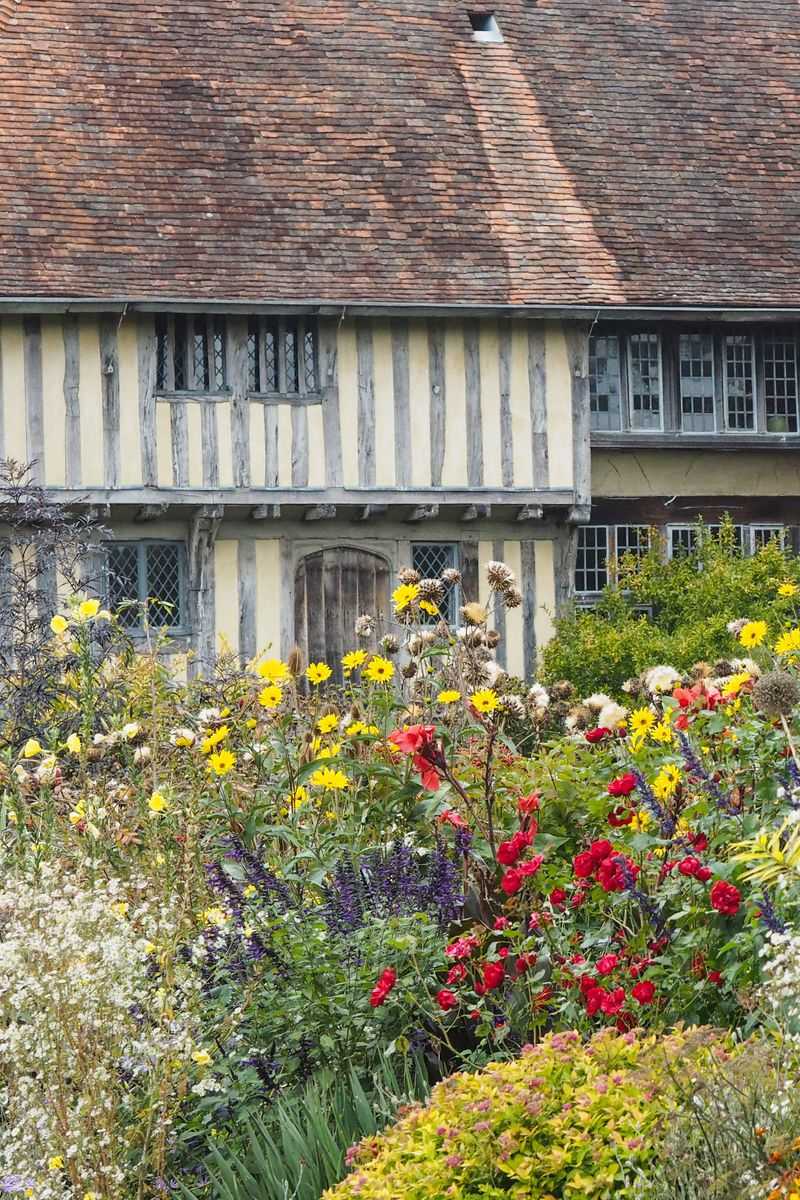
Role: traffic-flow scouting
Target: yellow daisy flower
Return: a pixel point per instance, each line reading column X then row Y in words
column 788, row 589
column 753, row 633
column 640, row 821
column 31, row 748
column 298, row 796
column 222, row 762
column 55, row 1163
column 449, row 696
column 485, row 701
column 328, row 723
column 428, row 607
column 379, row 670
column 355, row 728
column 214, row 739
column 120, row 908
column 662, row 732
column 641, row 720
column 736, row 682
column 317, row 673
column 788, row 642
column 73, row 744
column 59, row 624
column 201, row 1057
column 404, row 595
column 353, row 660
column 270, row 696
column 157, row 803
column 326, row 777
column 274, row 669
column 666, row 782
column 215, row 916
column 88, row 609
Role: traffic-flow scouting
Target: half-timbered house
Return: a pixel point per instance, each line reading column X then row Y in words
column 296, row 295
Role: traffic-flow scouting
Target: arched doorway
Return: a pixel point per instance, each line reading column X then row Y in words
column 332, row 588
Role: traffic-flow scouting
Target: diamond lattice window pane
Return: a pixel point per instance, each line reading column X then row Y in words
column 123, row 584
column 162, row 349
column 310, row 360
column 290, row 344
column 164, row 585
column 253, row 370
column 217, row 366
column 430, row 559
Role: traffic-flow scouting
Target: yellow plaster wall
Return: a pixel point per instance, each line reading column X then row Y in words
column 622, row 473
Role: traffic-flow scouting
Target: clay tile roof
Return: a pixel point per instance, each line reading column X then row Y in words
column 609, row 151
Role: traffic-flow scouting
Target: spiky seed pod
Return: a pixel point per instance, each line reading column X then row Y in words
column 474, row 637
column 723, row 667
column 776, row 693
column 562, row 689
column 701, row 670
column 365, row 624
column 414, row 645
column 474, row 613
column 431, row 589
column 451, row 576
column 409, row 670
column 513, row 706
column 736, row 627
column 499, row 576
column 427, row 637
column 493, row 638
column 442, row 629
column 295, row 661
column 389, row 644
column 579, row 717
column 408, row 575
column 513, row 597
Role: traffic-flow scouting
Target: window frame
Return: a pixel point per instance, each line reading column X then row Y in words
column 183, row 628
column 258, row 327
column 215, row 326
column 658, row 335
column 690, row 333
column 453, row 598
column 612, row 555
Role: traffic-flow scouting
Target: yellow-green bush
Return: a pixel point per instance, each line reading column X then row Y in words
column 566, row 1120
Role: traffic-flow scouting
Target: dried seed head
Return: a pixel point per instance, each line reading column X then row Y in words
column 493, row 638
column 427, row 637
column 512, row 597
column 474, row 636
column 701, row 670
column 414, row 645
column 295, row 661
column 409, row 670
column 776, row 693
column 408, row 575
column 389, row 644
column 451, row 576
column 513, row 706
column 723, row 667
column 562, row 690
column 431, row 589
column 365, row 625
column 474, row 613
column 499, row 576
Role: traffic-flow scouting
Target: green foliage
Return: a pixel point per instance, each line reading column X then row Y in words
column 692, row 599
column 297, row 1148
column 568, row 1119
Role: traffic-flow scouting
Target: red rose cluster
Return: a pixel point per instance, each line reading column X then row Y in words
column 600, row 997
column 510, row 852
column 382, row 988
column 606, row 866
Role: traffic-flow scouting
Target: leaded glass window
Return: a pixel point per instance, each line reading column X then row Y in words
column 430, row 559
column 604, row 382
column 739, row 382
column 147, row 576
column 591, row 571
column 780, row 384
column 282, row 357
column 190, row 354
column 697, row 382
column 633, row 539
column 644, row 371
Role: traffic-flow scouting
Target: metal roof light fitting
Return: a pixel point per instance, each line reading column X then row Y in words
column 484, row 26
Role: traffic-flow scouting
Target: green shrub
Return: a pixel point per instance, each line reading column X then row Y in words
column 568, row 1119
column 691, row 599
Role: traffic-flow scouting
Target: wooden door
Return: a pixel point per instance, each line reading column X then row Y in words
column 332, row 589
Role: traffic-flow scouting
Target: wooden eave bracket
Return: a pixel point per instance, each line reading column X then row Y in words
column 423, row 512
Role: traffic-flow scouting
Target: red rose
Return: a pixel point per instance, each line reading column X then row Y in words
column 620, row 816
column 623, row 785
column 597, row 735
column 456, row 973
column 703, row 874
column 643, row 992
column 511, row 881
column 715, row 977
column 593, row 999
column 600, row 851
column 503, row 951
column 532, row 865
column 524, row 962
column 610, row 877
column 725, row 898
column 529, row 804
column 583, row 864
column 446, row 999
column 475, row 1015
column 462, row 947
column 700, row 842
column 607, row 963
column 689, row 865
column 557, row 897
column 612, row 1002
column 508, row 853
column 493, row 974
column 501, row 923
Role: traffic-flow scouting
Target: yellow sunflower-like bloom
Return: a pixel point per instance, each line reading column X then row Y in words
column 88, row 609
column 270, row 696
column 318, row 672
column 328, row 723
column 789, row 642
column 485, row 701
column 353, row 660
column 222, row 762
column 666, row 782
column 273, row 669
column 379, row 670
column 404, row 595
column 331, row 780
column 449, row 696
column 214, row 739
column 59, row 624
column 753, row 633
column 157, row 803
column 788, row 589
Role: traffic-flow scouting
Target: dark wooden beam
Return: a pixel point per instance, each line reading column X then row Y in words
column 476, row 512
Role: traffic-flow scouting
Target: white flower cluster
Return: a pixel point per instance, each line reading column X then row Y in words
column 780, row 994
column 86, row 1032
